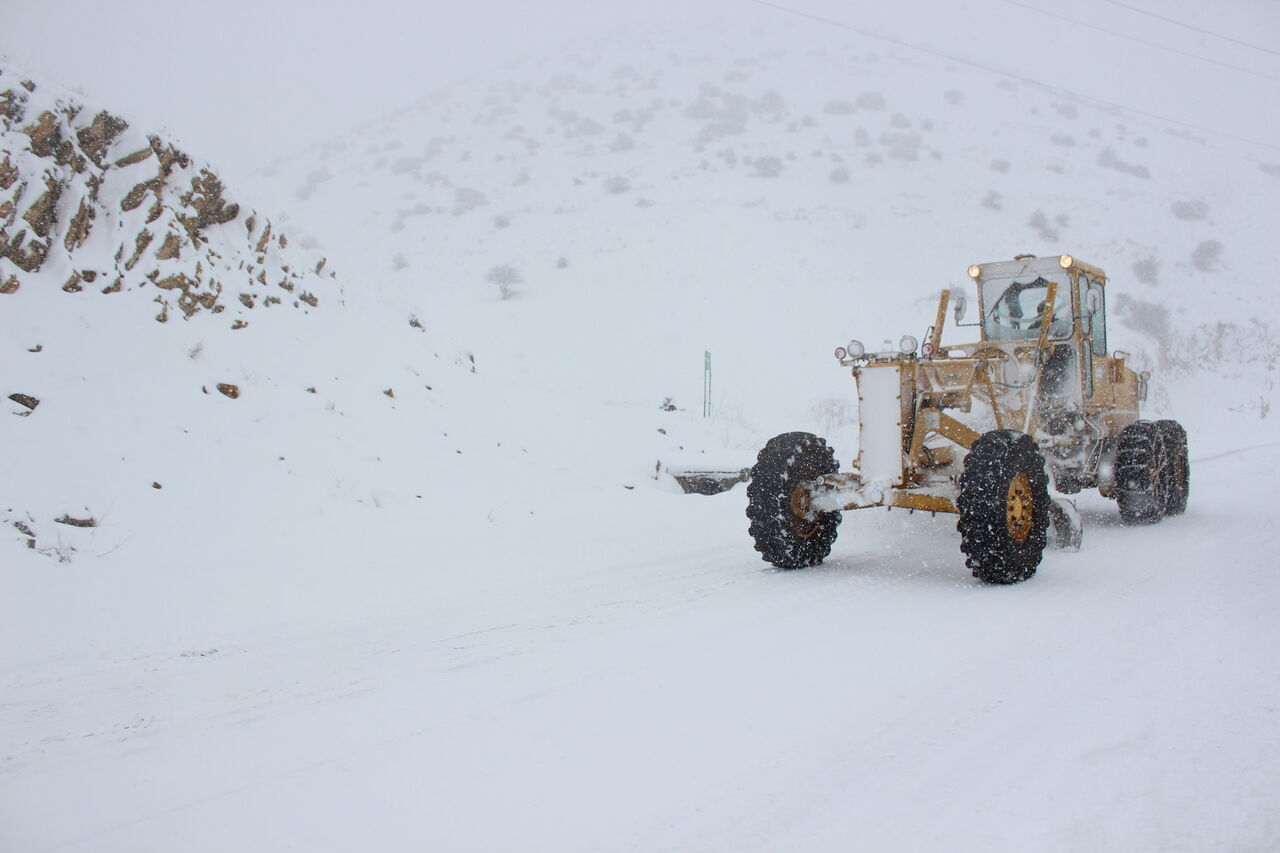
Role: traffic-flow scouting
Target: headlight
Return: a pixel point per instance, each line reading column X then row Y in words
column 841, row 353
column 1066, row 261
column 907, row 345
column 975, row 271
column 855, row 349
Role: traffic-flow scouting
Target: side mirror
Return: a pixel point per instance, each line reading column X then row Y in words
column 960, row 304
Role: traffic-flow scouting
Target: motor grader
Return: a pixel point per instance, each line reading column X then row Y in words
column 984, row 430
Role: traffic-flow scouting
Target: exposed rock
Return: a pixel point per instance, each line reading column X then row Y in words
column 136, row 157
column 170, row 248
column 77, row 522
column 41, row 215
column 80, row 226
column 98, row 136
column 25, row 400
column 45, row 135
column 57, row 158
column 26, row 530
column 8, row 172
column 210, row 207
column 143, row 240
column 28, row 259
column 12, row 105
column 191, row 299
column 229, row 390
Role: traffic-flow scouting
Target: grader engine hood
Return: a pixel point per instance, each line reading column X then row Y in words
column 881, row 421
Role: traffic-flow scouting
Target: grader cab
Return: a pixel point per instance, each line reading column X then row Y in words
column 984, row 429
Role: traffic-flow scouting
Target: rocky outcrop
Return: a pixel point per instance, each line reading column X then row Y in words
column 91, row 205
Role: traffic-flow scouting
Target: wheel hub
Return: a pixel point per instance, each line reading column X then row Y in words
column 800, row 522
column 1019, row 508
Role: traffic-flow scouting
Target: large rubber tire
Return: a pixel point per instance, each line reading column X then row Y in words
column 783, row 538
column 1141, row 474
column 1178, row 485
column 1004, row 507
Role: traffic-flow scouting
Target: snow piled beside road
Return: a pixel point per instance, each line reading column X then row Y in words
column 424, row 583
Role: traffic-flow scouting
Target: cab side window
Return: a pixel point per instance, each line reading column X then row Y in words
column 1095, row 297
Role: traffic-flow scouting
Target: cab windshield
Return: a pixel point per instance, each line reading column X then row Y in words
column 1012, row 308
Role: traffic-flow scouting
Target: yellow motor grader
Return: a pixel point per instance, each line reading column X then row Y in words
column 980, row 429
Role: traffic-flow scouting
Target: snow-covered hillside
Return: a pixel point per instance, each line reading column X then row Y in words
column 423, row 580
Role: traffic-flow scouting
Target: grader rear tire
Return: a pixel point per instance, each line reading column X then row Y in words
column 1142, row 474
column 1178, row 485
column 1004, row 507
column 784, row 466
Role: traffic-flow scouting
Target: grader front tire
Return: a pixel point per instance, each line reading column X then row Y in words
column 1004, row 507
column 776, row 499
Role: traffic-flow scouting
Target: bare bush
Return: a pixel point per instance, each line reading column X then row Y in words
column 1208, row 256
column 767, row 167
column 1147, row 270
column 506, row 277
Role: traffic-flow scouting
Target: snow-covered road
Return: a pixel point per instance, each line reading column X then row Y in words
column 656, row 687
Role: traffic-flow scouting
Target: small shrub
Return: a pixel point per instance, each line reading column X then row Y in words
column 1190, row 209
column 870, row 101
column 767, row 167
column 1208, row 256
column 506, row 277
column 1147, row 270
column 466, row 199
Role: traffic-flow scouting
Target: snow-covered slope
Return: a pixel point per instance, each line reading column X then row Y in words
column 670, row 192
column 422, row 583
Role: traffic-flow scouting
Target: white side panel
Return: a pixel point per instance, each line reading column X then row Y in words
column 880, row 433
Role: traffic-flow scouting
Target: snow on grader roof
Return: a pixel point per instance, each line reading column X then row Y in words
column 983, row 429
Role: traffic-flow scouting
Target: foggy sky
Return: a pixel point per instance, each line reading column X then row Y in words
column 240, row 82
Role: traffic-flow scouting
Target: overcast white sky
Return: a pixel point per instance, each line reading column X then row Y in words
column 239, row 82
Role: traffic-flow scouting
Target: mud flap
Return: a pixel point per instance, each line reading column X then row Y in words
column 1066, row 531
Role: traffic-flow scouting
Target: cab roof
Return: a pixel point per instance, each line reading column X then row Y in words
column 1030, row 264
